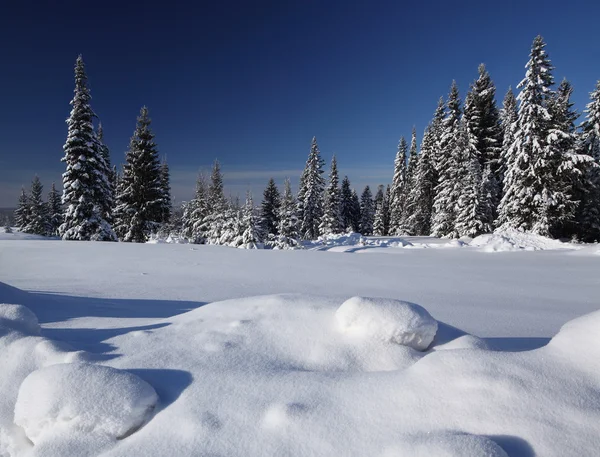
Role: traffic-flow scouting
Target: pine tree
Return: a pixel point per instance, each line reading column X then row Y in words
column 356, row 212
column 420, row 200
column 269, row 212
column 379, row 217
column 217, row 206
column 288, row 237
column 386, row 210
column 105, row 190
column 404, row 226
column 310, row 195
column 534, row 196
column 250, row 236
column 22, row 213
column 55, row 211
column 589, row 208
column 166, row 203
column 398, row 189
column 84, row 179
column 140, row 194
column 508, row 120
column 367, row 212
column 38, row 214
column 346, row 205
column 469, row 217
column 412, row 158
column 332, row 219
column 447, row 191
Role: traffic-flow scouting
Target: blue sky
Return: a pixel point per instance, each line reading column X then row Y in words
column 250, row 83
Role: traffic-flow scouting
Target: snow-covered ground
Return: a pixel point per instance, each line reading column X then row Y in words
column 186, row 350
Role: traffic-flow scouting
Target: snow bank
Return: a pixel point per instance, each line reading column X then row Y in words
column 515, row 240
column 445, row 445
column 388, row 320
column 79, row 397
column 19, row 317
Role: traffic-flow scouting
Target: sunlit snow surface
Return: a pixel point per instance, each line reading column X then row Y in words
column 256, row 353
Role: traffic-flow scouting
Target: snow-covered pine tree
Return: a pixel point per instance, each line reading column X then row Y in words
column 436, row 129
column 379, row 217
column 404, row 226
column 534, row 198
column 589, row 208
column 217, row 206
column 251, row 238
column 38, row 213
column 22, row 213
column 269, row 210
column 166, row 204
column 447, row 191
column 420, row 200
column 288, row 237
column 356, row 212
column 346, row 205
column 469, row 218
column 332, row 219
column 386, row 210
column 84, row 179
column 105, row 189
column 195, row 214
column 140, row 192
column 310, row 196
column 398, row 189
column 367, row 212
column 508, row 121
column 55, row 211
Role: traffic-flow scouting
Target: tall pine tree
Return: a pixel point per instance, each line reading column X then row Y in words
column 269, row 211
column 140, row 195
column 84, row 180
column 38, row 213
column 398, row 189
column 22, row 213
column 310, row 195
column 166, row 204
column 367, row 212
column 332, row 221
column 346, row 205
column 55, row 211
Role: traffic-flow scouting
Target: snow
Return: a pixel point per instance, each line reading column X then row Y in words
column 18, row 317
column 246, row 355
column 71, row 398
column 387, row 320
column 514, row 240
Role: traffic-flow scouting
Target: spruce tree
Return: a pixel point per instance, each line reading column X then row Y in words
column 420, row 200
column 199, row 213
column 38, row 214
column 105, row 189
column 379, row 217
column 84, row 180
column 508, row 120
column 447, row 191
column 367, row 212
column 55, row 211
column 217, row 206
column 398, row 189
column 140, row 195
column 404, row 226
column 332, row 220
column 166, row 203
column 22, row 213
column 356, row 212
column 346, row 205
column 386, row 210
column 534, row 196
column 589, row 208
column 251, row 238
column 288, row 236
column 269, row 211
column 310, row 195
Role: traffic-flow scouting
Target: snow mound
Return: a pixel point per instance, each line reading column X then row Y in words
column 344, row 239
column 446, row 445
column 388, row 320
column 515, row 240
column 80, row 397
column 19, row 317
column 580, row 337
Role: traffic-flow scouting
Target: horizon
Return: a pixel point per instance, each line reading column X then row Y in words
column 250, row 86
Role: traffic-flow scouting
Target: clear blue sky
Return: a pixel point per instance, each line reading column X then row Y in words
column 250, row 83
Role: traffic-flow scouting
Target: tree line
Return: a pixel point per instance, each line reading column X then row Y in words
column 525, row 166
